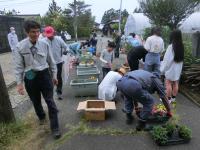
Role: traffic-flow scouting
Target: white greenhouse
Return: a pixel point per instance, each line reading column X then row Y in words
column 191, row 24
column 136, row 23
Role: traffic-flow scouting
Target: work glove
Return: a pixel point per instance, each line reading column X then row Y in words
column 169, row 114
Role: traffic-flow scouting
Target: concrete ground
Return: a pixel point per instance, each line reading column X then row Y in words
column 115, row 120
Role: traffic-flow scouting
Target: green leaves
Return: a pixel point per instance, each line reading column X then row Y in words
column 159, row 134
column 64, row 19
column 113, row 14
column 185, row 132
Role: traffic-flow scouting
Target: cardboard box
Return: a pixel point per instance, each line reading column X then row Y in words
column 96, row 109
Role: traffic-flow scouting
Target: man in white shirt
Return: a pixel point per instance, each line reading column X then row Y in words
column 58, row 46
column 12, row 39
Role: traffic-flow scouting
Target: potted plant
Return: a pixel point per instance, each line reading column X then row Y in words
column 171, row 134
column 185, row 132
column 170, row 129
column 159, row 134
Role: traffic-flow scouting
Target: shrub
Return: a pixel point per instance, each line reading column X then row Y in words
column 170, row 128
column 159, row 134
column 185, row 132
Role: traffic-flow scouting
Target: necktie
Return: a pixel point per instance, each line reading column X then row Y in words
column 33, row 50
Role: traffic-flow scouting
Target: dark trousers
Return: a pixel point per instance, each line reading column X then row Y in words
column 59, row 77
column 133, row 91
column 42, row 84
column 105, row 71
column 117, row 51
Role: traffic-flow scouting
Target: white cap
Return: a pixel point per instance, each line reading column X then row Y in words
column 12, row 28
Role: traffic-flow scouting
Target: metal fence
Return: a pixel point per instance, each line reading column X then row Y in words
column 5, row 23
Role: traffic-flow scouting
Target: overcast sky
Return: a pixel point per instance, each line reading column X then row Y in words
column 41, row 6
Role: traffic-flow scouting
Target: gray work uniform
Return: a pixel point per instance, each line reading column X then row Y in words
column 33, row 63
column 58, row 46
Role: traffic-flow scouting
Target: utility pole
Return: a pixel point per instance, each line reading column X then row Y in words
column 120, row 16
column 6, row 111
column 75, row 20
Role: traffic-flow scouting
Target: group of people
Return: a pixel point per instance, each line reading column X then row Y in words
column 38, row 66
column 151, row 52
column 38, row 61
column 139, row 84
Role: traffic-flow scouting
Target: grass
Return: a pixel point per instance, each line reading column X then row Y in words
column 12, row 132
column 84, row 129
column 25, row 134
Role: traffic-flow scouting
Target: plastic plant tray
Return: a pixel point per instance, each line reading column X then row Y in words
column 84, row 87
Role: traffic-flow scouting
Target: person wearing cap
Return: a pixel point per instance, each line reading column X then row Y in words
column 33, row 63
column 42, row 35
column 139, row 85
column 58, row 46
column 107, row 88
column 12, row 39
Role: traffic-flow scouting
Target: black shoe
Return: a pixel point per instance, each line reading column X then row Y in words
column 129, row 118
column 56, row 134
column 60, row 97
column 141, row 125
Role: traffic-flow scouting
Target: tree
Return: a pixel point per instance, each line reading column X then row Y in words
column 110, row 15
column 137, row 10
column 9, row 12
column 52, row 14
column 113, row 14
column 64, row 19
column 125, row 13
column 53, row 8
column 85, row 24
column 168, row 12
column 78, row 8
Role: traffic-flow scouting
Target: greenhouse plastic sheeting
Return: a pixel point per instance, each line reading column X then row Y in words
column 191, row 24
column 136, row 23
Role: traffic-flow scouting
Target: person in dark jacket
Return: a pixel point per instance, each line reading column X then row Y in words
column 139, row 85
column 117, row 43
column 134, row 55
